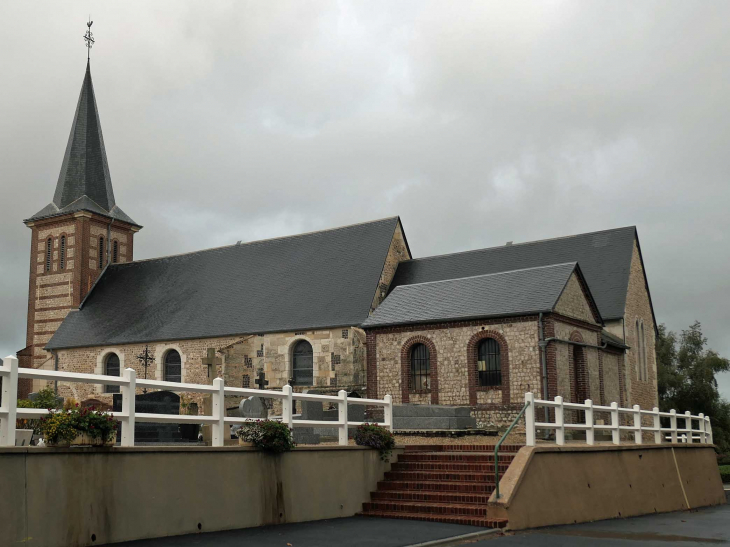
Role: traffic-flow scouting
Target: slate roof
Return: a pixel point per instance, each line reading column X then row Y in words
column 84, row 183
column 311, row 281
column 612, row 340
column 517, row 292
column 604, row 258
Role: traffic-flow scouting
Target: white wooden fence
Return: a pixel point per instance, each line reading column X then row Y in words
column 674, row 434
column 129, row 383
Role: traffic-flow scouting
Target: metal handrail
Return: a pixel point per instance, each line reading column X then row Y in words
column 499, row 443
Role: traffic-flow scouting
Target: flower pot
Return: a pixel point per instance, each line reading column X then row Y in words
column 241, row 442
column 82, row 439
column 101, row 442
column 59, row 444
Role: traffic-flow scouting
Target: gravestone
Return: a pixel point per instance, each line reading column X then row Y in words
column 310, row 411
column 314, row 410
column 157, row 402
column 253, row 407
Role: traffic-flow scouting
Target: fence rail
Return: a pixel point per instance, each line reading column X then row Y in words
column 129, row 383
column 674, row 434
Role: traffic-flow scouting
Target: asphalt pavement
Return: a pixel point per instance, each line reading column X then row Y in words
column 706, row 526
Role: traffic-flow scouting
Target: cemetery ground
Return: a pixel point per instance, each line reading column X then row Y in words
column 706, row 526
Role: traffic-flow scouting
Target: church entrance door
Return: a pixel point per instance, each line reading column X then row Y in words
column 303, row 366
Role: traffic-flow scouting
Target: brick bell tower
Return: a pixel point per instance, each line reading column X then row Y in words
column 74, row 237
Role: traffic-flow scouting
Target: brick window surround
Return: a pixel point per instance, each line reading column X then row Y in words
column 472, row 349
column 405, row 360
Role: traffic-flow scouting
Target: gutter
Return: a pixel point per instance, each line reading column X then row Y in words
column 582, row 344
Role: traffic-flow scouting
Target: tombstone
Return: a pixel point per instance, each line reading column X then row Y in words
column 310, row 411
column 253, row 407
column 157, row 402
column 96, row 404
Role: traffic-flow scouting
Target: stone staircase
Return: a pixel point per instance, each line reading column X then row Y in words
column 442, row 483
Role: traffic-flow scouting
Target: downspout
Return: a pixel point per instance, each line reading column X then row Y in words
column 55, row 367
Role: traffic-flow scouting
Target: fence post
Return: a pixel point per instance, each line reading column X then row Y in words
column 688, row 427
column 9, row 401
column 590, row 436
column 129, row 391
column 615, row 424
column 703, row 438
column 708, row 430
column 673, row 424
column 287, row 407
column 530, row 419
column 638, row 438
column 657, row 426
column 219, row 412
column 559, row 422
column 342, row 407
column 388, row 413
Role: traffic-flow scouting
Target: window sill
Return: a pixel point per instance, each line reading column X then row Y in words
column 489, row 388
column 422, row 392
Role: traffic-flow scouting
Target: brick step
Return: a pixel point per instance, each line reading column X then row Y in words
column 427, row 507
column 463, row 457
column 514, row 448
column 463, row 487
column 430, row 496
column 453, row 467
column 450, row 519
column 414, row 476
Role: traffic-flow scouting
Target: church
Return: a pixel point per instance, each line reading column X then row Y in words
column 345, row 308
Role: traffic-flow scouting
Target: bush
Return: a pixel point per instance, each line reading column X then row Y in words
column 723, row 459
column 268, row 435
column 61, row 426
column 376, row 436
column 46, row 398
column 725, row 473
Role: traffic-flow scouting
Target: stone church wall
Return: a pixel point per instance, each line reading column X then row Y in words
column 641, row 392
column 397, row 252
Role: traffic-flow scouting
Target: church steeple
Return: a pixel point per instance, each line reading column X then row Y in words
column 84, row 183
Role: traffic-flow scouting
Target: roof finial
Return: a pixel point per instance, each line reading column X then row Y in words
column 89, row 39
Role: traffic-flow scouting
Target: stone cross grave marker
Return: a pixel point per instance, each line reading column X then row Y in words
column 211, row 360
column 261, row 382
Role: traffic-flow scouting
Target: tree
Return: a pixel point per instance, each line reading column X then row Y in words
column 686, row 372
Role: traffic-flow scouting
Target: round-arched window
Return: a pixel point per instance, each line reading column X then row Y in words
column 489, row 365
column 420, row 368
column 111, row 368
column 303, row 364
column 173, row 366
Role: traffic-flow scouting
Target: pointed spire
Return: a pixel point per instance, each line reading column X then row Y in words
column 84, row 182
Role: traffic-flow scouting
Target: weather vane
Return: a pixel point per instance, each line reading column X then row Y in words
column 89, row 39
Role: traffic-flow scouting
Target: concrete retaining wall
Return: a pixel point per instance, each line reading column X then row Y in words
column 551, row 485
column 74, row 497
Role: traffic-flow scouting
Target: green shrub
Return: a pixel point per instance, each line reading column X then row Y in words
column 268, row 435
column 376, row 436
column 65, row 425
column 723, row 459
column 725, row 473
column 46, row 398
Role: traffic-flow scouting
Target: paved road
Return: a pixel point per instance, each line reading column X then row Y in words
column 709, row 526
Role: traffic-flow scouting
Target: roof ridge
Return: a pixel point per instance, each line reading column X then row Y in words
column 520, row 244
column 574, row 264
column 259, row 241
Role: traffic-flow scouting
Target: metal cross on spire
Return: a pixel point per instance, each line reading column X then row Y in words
column 89, row 38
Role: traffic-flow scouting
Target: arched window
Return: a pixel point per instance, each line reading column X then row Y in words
column 173, row 366
column 62, row 253
column 303, row 364
column 115, row 252
column 49, row 254
column 644, row 366
column 420, row 368
column 111, row 368
column 638, row 349
column 489, row 366
column 101, row 252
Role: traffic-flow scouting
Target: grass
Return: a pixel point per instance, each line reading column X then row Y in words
column 725, row 473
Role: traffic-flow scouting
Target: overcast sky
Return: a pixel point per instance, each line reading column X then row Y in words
column 477, row 122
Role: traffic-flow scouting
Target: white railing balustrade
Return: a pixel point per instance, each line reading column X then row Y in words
column 674, row 434
column 129, row 383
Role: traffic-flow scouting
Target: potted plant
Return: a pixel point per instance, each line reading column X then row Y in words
column 268, row 435
column 376, row 436
column 57, row 428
